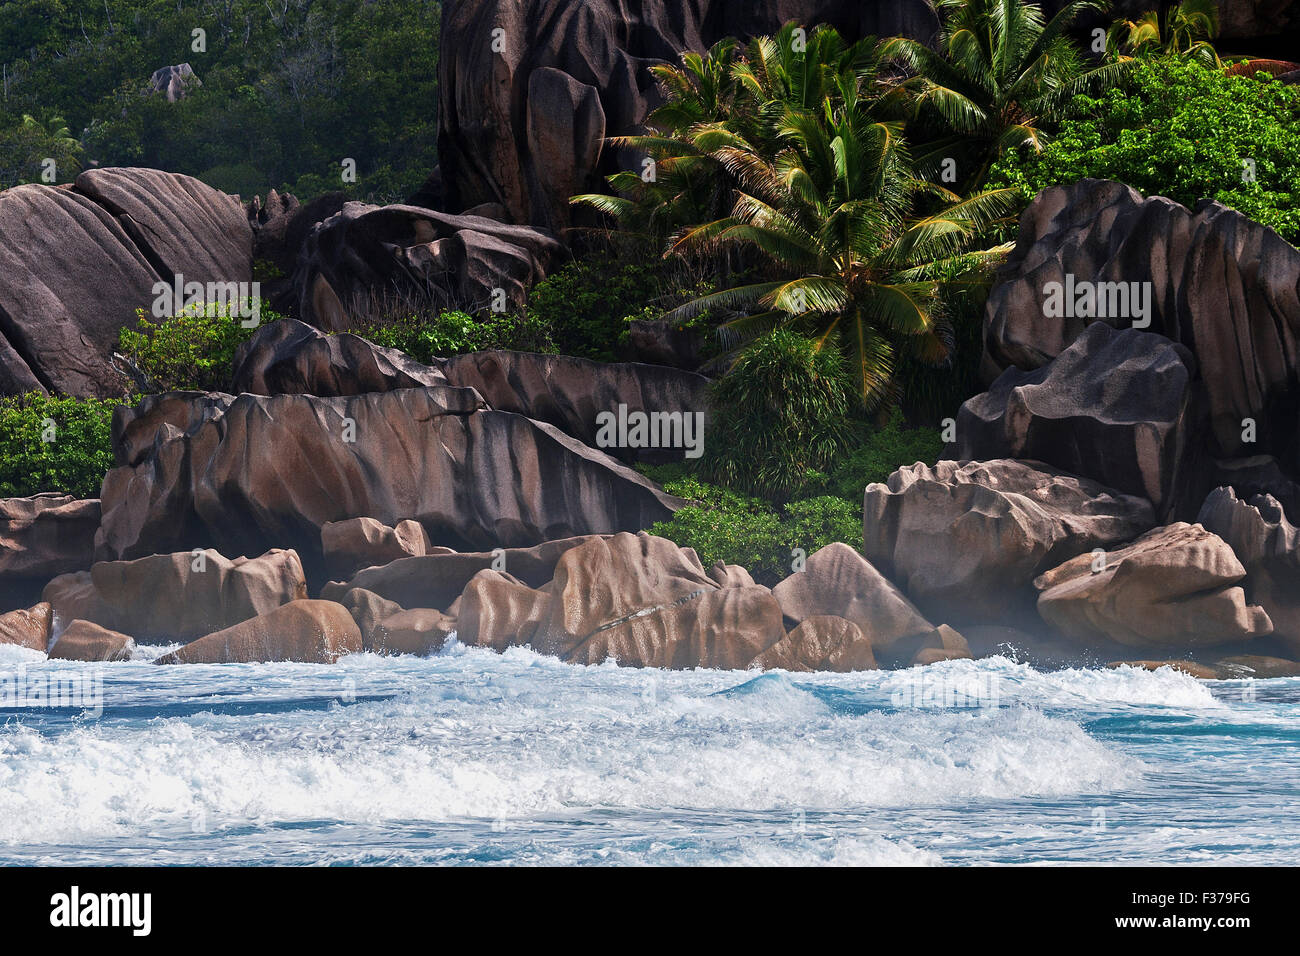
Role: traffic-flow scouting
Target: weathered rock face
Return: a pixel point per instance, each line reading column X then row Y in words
column 1223, row 286
column 523, row 111
column 964, row 540
column 497, row 610
column 174, row 82
column 271, row 471
column 45, row 535
column 291, row 358
column 609, row 580
column 1268, row 546
column 84, row 641
column 420, row 631
column 28, row 628
column 139, row 430
column 1115, row 406
column 821, row 642
column 59, row 252
column 76, row 263
column 635, row 598
column 368, row 609
column 570, row 393
column 839, row 582
column 942, row 644
column 726, row 629
column 180, row 224
column 730, row 575
column 364, row 542
column 310, row 632
column 1175, row 587
column 177, row 597
column 1257, row 475
column 437, row 580
column 280, row 228
column 352, row 260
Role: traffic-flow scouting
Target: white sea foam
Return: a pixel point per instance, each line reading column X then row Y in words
column 518, row 736
column 612, row 764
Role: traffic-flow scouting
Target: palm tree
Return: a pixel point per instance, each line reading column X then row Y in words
column 681, row 183
column 1183, row 29
column 831, row 215
column 1000, row 71
column 710, row 99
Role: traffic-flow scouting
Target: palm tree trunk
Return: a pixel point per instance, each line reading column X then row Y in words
column 1166, row 11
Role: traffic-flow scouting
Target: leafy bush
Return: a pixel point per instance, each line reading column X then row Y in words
column 194, row 350
column 590, row 302
column 882, row 452
column 725, row 526
column 1185, row 131
column 74, row 462
column 780, row 417
column 425, row 338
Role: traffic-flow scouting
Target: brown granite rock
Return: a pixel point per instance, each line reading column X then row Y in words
column 84, row 641
column 27, row 628
column 839, row 582
column 364, row 543
column 313, row 632
column 1177, row 586
column 964, row 540
column 820, row 643
column 179, row 596
column 419, row 631
column 271, row 471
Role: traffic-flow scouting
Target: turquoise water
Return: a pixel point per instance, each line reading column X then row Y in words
column 474, row 757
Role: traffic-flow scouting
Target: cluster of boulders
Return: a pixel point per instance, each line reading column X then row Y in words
column 1094, row 506
column 1127, row 477
column 78, row 261
column 636, row 599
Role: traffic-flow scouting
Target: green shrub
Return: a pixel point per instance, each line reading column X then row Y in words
column 590, row 302
column 726, row 526
column 881, row 452
column 781, row 417
column 425, row 338
column 1181, row 130
column 73, row 463
column 929, row 393
column 194, row 350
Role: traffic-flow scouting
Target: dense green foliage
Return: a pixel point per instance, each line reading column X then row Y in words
column 1182, row 130
column 425, row 338
column 801, row 137
column 997, row 79
column 74, row 460
column 722, row 525
column 193, row 351
column 1187, row 32
column 589, row 302
column 289, row 90
column 780, row 417
column 878, row 453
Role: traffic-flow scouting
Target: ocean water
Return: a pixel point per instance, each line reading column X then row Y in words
column 471, row 757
